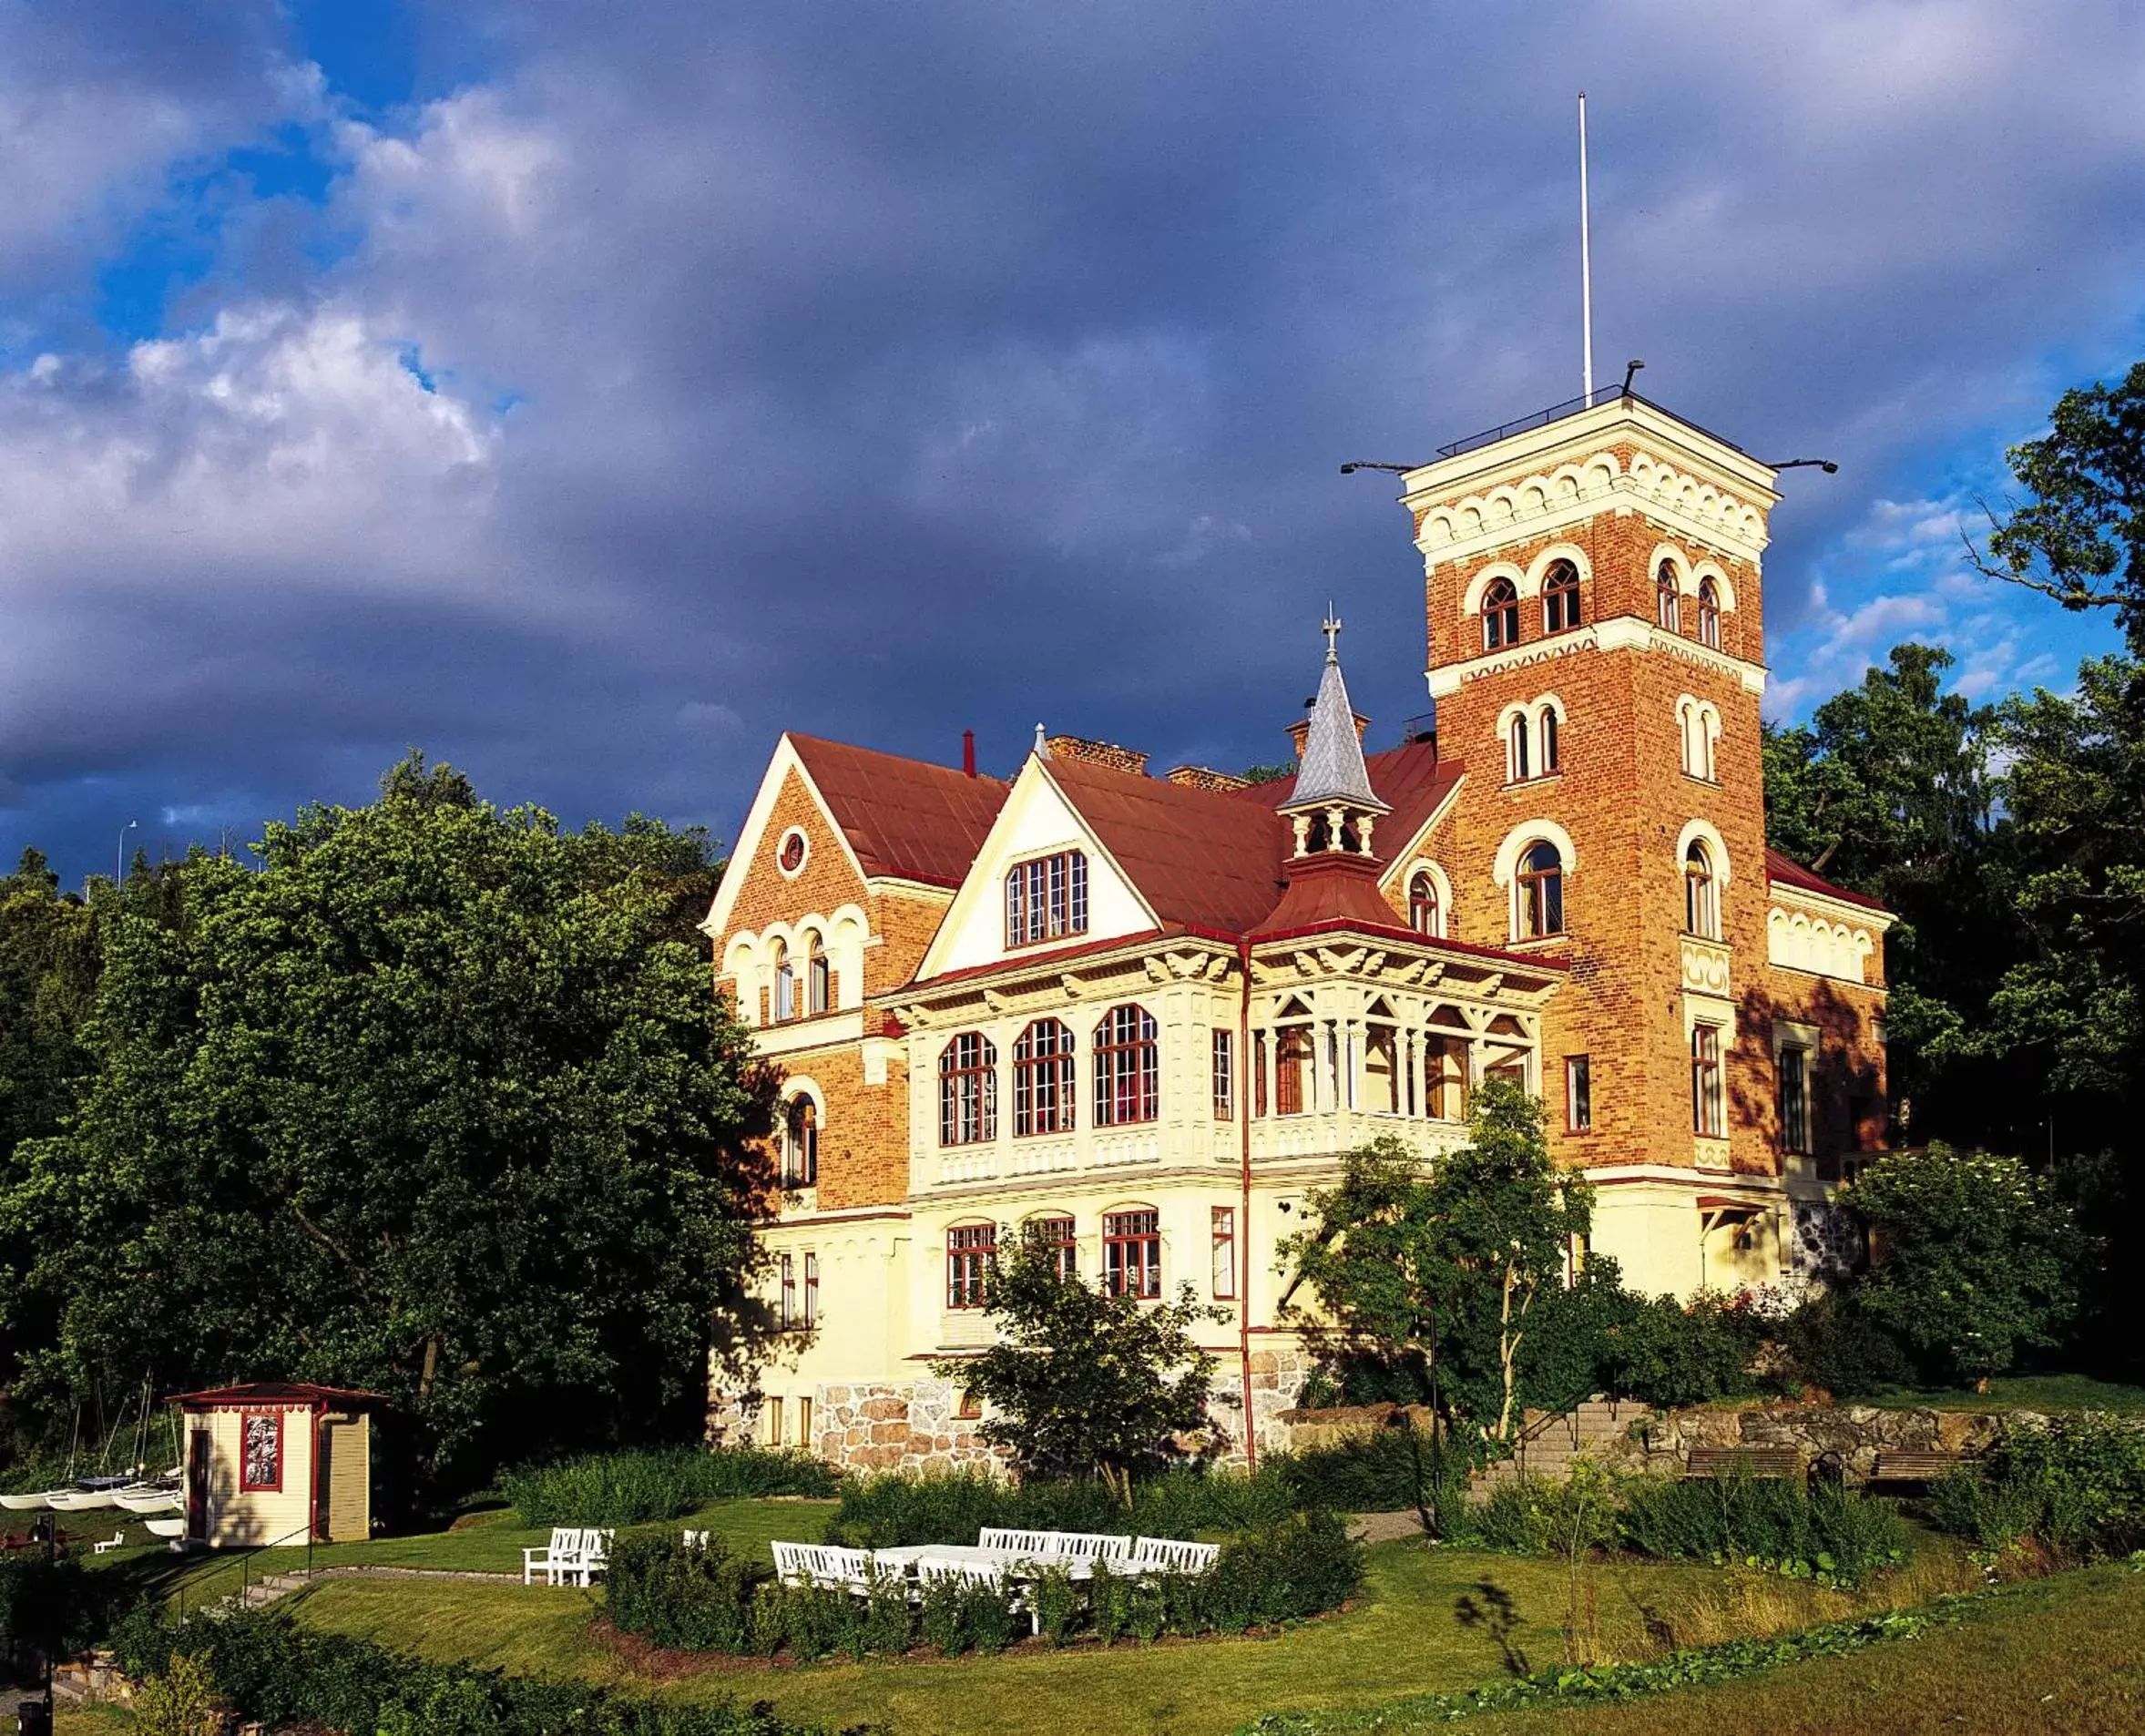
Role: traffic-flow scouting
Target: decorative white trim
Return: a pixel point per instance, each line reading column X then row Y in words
column 1617, row 633
column 1723, row 869
column 1529, row 831
column 1442, row 887
column 781, row 846
column 1796, row 940
column 822, row 1031
column 1542, row 506
column 1723, row 585
column 1841, row 910
column 1537, row 569
column 1471, row 599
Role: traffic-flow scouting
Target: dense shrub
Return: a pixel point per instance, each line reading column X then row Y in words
column 1388, row 1470
column 1824, row 1532
column 895, row 1508
column 1537, row 1516
column 706, row 1600
column 2074, row 1485
column 634, row 1487
column 1833, row 1342
column 1663, row 1353
column 695, row 1599
column 268, row 1667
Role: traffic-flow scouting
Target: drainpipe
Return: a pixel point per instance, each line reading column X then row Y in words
column 1246, row 1095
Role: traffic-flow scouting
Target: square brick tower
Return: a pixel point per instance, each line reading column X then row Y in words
column 1597, row 658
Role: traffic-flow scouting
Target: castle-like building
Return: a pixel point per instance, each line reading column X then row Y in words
column 1141, row 1016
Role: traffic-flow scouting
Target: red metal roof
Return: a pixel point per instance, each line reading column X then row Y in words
column 906, row 818
column 1791, row 872
column 1201, row 857
column 276, row 1392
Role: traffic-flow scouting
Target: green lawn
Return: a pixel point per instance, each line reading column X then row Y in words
column 483, row 1543
column 2020, row 1392
column 1425, row 1622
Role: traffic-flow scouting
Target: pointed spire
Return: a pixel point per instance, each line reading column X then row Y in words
column 1332, row 771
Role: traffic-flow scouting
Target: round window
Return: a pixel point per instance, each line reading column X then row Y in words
column 791, row 852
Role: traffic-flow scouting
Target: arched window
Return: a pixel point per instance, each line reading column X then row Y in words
column 800, row 1145
column 971, row 1255
column 1128, row 1075
column 1560, row 597
column 785, row 985
column 1668, row 608
column 1541, row 892
column 1054, row 1230
column 1708, row 614
column 1700, row 731
column 1518, row 754
column 1702, row 901
column 1549, row 747
column 1422, row 904
column 818, row 978
column 1043, row 1083
column 1047, row 899
column 1500, row 615
column 968, row 1090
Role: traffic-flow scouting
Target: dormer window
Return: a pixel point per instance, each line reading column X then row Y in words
column 1668, row 606
column 1047, row 899
column 1500, row 615
column 1560, row 597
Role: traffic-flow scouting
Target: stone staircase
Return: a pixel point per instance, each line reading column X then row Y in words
column 1548, row 1444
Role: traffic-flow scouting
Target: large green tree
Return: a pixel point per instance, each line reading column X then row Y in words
column 437, row 1102
column 1085, row 1383
column 1451, row 1275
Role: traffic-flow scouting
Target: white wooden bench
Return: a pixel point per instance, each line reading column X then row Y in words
column 575, row 1554
column 822, row 1564
column 1169, row 1554
column 1056, row 1545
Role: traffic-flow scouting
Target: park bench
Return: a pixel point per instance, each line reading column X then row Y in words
column 822, row 1564
column 1754, row 1461
column 1168, row 1555
column 1056, row 1545
column 1898, row 1466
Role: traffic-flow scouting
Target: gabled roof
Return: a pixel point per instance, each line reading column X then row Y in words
column 1202, row 858
column 905, row 817
column 1791, row 872
column 276, row 1392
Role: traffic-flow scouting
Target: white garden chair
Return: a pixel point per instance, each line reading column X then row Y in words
column 595, row 1557
column 551, row 1559
column 822, row 1564
column 117, row 1540
column 696, row 1540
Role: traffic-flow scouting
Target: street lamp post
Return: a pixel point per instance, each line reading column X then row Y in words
column 119, row 855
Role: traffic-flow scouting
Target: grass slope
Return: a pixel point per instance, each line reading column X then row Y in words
column 2019, row 1392
column 1425, row 1622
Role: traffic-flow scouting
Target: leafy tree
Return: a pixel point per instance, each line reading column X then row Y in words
column 436, row 1103
column 1974, row 1256
column 1453, row 1274
column 2079, row 537
column 1084, row 1382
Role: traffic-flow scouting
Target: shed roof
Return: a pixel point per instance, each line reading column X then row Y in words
column 276, row 1392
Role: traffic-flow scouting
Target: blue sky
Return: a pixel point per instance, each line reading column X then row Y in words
column 586, row 394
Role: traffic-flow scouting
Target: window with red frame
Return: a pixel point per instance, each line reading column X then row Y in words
column 1707, row 1115
column 1127, row 1068
column 1225, row 1235
column 1047, row 899
column 811, row 1291
column 1500, row 615
column 1043, row 1081
column 1132, row 1254
column 1055, row 1232
column 1291, row 1067
column 789, row 1314
column 1560, row 597
column 1668, row 607
column 260, row 1451
column 1708, row 614
column 971, row 1253
column 968, row 1090
column 1422, row 905
column 1224, row 1065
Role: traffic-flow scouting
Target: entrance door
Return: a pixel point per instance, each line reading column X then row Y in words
column 197, row 1484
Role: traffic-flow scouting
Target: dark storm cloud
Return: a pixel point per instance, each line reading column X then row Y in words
column 686, row 376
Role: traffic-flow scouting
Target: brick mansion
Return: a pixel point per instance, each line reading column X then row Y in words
column 1139, row 1016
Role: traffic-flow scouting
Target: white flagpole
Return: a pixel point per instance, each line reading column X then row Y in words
column 1586, row 261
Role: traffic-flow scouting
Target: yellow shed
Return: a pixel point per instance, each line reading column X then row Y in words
column 278, row 1461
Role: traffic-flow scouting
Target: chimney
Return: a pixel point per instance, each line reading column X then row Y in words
column 968, row 753
column 1203, row 777
column 1299, row 731
column 1101, row 753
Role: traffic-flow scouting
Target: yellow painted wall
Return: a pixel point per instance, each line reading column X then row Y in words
column 247, row 1519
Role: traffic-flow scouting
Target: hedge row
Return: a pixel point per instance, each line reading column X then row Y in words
column 1836, row 1535
column 708, row 1599
column 660, row 1483
column 264, row 1665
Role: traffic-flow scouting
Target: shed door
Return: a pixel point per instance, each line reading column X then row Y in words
column 197, row 1484
column 346, row 1479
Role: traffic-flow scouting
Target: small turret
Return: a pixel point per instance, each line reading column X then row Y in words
column 1333, row 805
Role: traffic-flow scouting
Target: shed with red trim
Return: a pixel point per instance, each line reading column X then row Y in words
column 278, row 1462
